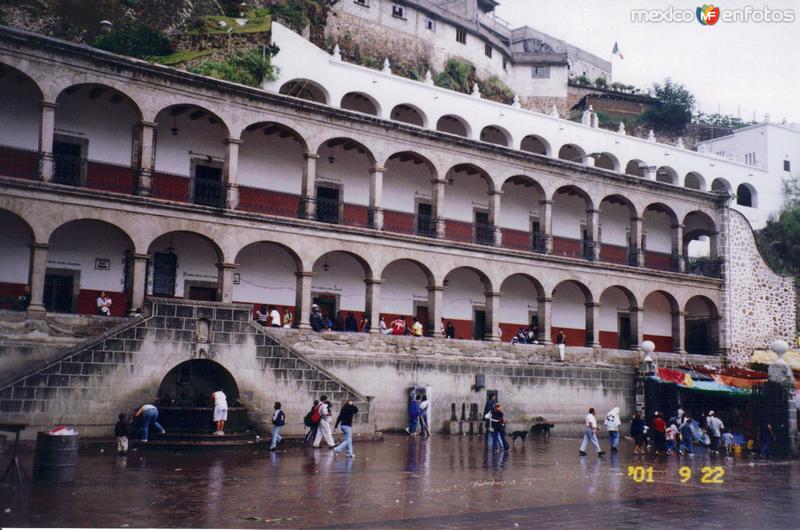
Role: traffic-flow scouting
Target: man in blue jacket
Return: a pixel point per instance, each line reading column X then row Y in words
column 413, row 415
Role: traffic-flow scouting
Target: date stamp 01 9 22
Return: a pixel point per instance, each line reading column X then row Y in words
column 708, row 474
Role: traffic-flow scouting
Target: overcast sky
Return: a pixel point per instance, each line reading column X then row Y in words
column 748, row 66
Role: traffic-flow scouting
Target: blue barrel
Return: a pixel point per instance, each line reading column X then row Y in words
column 55, row 459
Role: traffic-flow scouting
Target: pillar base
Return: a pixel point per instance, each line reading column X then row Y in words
column 303, row 326
column 36, row 311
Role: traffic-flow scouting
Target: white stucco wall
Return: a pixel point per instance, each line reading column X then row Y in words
column 20, row 106
column 14, row 249
column 403, row 284
column 569, row 213
column 518, row 205
column 404, row 182
column 612, row 302
column 266, row 273
column 198, row 136
column 270, row 162
column 519, row 300
column 467, row 193
column 464, row 291
column 614, row 224
column 657, row 318
column 345, row 279
column 569, row 307
column 197, row 260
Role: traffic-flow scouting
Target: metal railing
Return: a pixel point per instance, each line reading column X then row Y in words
column 328, row 211
column 68, row 170
column 709, row 267
column 588, row 249
column 540, row 243
column 635, row 256
column 208, row 193
column 484, row 233
column 426, row 225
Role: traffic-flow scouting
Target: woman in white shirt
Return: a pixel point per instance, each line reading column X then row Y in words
column 220, row 411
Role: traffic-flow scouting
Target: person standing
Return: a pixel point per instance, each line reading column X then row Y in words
column 715, row 427
column 637, row 433
column 220, row 401
column 413, row 415
column 324, row 427
column 687, row 436
column 416, row 328
column 363, row 326
column 274, row 317
column 316, row 320
column 561, row 342
column 345, row 421
column 288, row 318
column 382, row 326
column 262, row 314
column 278, row 421
column 659, row 427
column 766, row 437
column 499, row 428
column 590, row 434
column 311, row 420
column 350, row 323
column 612, row 424
column 23, row 300
column 149, row 414
column 424, row 427
column 121, row 432
column 104, row 304
column 450, row 330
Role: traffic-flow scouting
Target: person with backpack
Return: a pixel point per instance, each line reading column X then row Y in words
column 414, row 413
column 322, row 417
column 308, row 421
column 278, row 421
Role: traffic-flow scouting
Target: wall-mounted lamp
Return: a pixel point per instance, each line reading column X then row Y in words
column 325, row 266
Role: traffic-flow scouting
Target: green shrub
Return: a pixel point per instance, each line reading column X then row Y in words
column 249, row 67
column 134, row 39
column 583, row 80
column 601, row 82
column 495, row 90
column 457, row 75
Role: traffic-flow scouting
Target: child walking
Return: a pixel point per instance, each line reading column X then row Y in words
column 121, row 432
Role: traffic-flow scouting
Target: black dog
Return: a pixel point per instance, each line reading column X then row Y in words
column 542, row 429
column 518, row 434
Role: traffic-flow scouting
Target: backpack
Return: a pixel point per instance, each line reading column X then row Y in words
column 315, row 415
column 307, row 420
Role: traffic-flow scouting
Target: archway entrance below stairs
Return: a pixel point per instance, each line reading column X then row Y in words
column 184, row 398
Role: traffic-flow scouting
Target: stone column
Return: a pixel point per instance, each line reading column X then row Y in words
column 437, row 206
column 677, row 246
column 136, row 283
column 637, row 326
column 376, row 197
column 592, row 324
column 494, row 216
column 36, row 273
column 308, row 199
column 47, row 125
column 225, row 281
column 589, row 161
column 435, row 302
column 593, row 227
column 546, row 209
column 678, row 331
column 302, row 300
column 373, row 304
column 147, row 132
column 492, row 316
column 713, row 241
column 231, row 173
column 545, row 314
column 637, row 234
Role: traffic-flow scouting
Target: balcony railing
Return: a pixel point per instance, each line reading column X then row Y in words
column 634, row 256
column 209, row 193
column 484, row 233
column 540, row 243
column 588, row 249
column 328, row 210
column 709, row 267
column 426, row 225
column 69, row 170
column 19, row 163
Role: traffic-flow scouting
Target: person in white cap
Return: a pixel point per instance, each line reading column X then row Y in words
column 715, row 427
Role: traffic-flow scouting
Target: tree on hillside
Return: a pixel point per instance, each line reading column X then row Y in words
column 673, row 111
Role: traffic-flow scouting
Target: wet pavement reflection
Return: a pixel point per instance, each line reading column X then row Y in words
column 443, row 482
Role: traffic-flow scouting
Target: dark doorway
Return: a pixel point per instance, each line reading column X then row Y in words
column 58, row 292
column 328, row 204
column 698, row 337
column 479, row 324
column 208, row 186
column 421, row 312
column 425, row 226
column 191, row 383
column 624, row 337
column 68, row 164
column 484, row 232
column 202, row 293
column 164, row 271
column 327, row 304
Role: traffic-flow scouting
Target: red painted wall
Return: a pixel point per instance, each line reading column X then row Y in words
column 609, row 339
column 614, row 254
column 171, row 187
column 19, row 163
column 657, row 260
column 268, row 202
column 663, row 344
column 8, row 294
column 563, row 246
column 516, row 239
column 110, row 177
column 575, row 337
column 399, row 222
column 458, row 231
column 355, row 215
column 87, row 303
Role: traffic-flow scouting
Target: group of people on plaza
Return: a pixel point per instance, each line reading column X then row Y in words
column 418, row 413
column 318, row 421
column 495, row 423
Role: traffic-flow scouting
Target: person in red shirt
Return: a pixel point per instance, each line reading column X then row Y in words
column 399, row 326
column 659, row 433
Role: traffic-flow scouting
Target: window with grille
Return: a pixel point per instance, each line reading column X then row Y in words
column 461, row 36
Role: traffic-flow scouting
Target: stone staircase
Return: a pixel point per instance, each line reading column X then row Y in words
column 27, row 343
column 287, row 362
